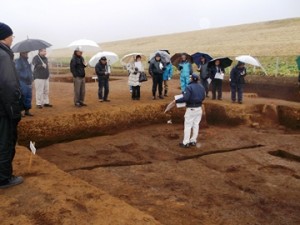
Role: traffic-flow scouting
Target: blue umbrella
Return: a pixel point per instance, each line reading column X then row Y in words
column 196, row 57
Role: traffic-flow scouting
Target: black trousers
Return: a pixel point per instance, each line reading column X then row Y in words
column 136, row 93
column 217, row 87
column 239, row 89
column 103, row 85
column 8, row 140
column 205, row 84
column 157, row 81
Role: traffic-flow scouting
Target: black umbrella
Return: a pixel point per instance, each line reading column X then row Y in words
column 176, row 58
column 29, row 45
column 196, row 57
column 224, row 62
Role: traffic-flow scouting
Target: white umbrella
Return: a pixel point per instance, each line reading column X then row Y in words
column 110, row 56
column 248, row 60
column 84, row 45
column 165, row 57
column 130, row 58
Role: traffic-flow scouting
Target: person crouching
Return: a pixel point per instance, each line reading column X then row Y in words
column 133, row 81
column 193, row 96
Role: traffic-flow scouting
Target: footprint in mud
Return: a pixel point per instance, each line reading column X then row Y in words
column 277, row 169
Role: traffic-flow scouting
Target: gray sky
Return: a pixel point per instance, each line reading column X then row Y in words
column 63, row 21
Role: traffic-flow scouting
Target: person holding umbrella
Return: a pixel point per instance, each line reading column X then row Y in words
column 77, row 66
column 41, row 79
column 193, row 96
column 102, row 70
column 185, row 68
column 237, row 81
column 10, row 109
column 156, row 70
column 203, row 69
column 25, row 76
column 217, row 74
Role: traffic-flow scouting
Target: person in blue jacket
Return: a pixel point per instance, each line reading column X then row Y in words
column 185, row 68
column 167, row 75
column 193, row 96
column 237, row 81
column 25, row 77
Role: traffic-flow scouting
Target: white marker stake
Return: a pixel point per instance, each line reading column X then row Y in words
column 33, row 150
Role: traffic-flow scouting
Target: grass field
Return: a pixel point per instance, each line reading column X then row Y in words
column 275, row 43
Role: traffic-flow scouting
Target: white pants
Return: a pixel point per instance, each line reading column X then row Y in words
column 192, row 119
column 41, row 91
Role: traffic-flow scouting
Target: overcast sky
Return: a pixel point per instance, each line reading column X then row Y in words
column 63, row 21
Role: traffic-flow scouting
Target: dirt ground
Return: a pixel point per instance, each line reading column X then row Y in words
column 139, row 175
column 230, row 178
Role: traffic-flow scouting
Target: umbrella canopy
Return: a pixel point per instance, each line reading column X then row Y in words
column 176, row 58
column 84, row 45
column 224, row 62
column 298, row 62
column 130, row 58
column 110, row 56
column 196, row 57
column 29, row 45
column 165, row 57
column 248, row 60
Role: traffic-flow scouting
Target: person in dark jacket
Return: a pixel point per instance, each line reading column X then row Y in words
column 77, row 66
column 193, row 96
column 216, row 74
column 10, row 108
column 103, row 71
column 156, row 70
column 237, row 81
column 25, row 76
column 203, row 69
column 41, row 79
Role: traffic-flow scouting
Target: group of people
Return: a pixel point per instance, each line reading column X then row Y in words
column 16, row 78
column 214, row 75
column 40, row 75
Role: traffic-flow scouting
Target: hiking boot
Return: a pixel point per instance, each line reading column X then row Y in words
column 14, row 180
column 153, row 98
column 78, row 105
column 39, row 106
column 100, row 100
column 161, row 97
column 82, row 104
column 48, row 105
column 106, row 100
column 181, row 145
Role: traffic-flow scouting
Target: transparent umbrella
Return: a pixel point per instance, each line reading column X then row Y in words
column 110, row 56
